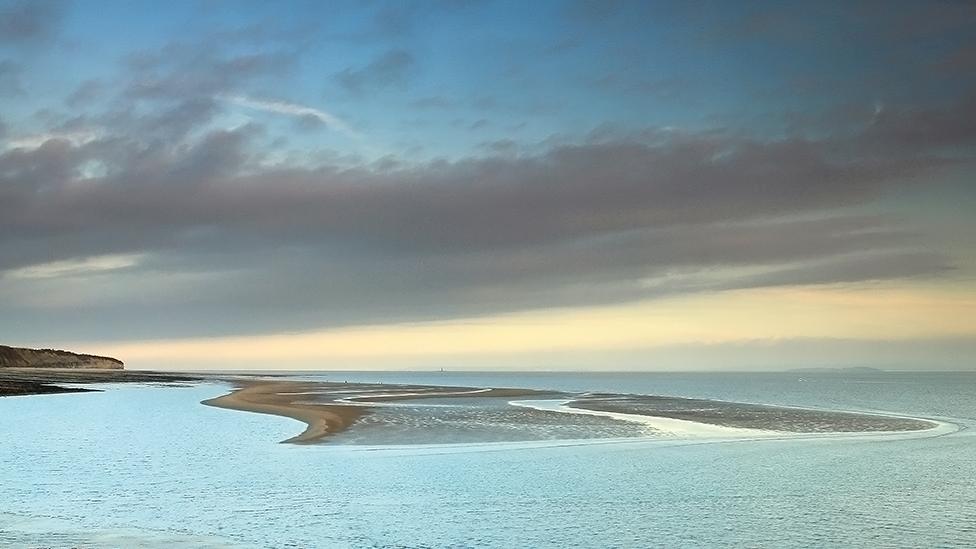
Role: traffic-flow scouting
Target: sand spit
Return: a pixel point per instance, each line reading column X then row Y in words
column 328, row 408
column 661, row 417
column 288, row 399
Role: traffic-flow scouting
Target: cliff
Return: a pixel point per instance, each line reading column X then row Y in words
column 14, row 357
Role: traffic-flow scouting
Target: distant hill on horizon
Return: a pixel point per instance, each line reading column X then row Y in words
column 849, row 370
column 19, row 357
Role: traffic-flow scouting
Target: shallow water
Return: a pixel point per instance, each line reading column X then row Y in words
column 148, row 466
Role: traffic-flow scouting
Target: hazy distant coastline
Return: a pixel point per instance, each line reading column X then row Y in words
column 847, row 370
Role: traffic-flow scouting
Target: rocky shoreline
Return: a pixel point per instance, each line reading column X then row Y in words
column 37, row 381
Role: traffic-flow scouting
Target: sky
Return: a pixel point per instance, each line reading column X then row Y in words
column 579, row 185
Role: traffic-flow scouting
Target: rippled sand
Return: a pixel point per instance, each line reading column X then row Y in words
column 750, row 416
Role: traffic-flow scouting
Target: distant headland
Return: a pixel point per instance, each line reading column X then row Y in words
column 43, row 371
column 16, row 357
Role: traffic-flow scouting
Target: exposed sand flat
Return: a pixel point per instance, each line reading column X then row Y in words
column 334, row 415
column 447, row 392
column 745, row 417
column 284, row 398
column 657, row 425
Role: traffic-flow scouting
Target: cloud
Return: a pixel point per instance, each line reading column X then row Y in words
column 160, row 99
column 567, row 192
column 29, row 21
column 199, row 69
column 898, row 129
column 74, row 138
column 391, row 69
column 76, row 267
column 10, row 78
column 85, row 93
column 291, row 109
column 609, row 219
column 147, row 194
column 501, row 147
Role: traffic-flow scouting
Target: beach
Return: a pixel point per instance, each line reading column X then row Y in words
column 337, row 406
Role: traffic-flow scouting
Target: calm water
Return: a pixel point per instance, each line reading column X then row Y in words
column 141, row 466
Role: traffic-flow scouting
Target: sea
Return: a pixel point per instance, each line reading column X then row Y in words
column 146, row 465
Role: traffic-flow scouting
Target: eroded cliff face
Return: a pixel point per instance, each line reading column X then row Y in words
column 15, row 357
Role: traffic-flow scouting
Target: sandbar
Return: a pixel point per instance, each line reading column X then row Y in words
column 288, row 399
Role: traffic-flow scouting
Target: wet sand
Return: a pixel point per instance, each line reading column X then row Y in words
column 329, row 408
column 749, row 416
column 289, row 399
column 449, row 392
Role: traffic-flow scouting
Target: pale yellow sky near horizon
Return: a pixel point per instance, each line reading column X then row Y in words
column 859, row 312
